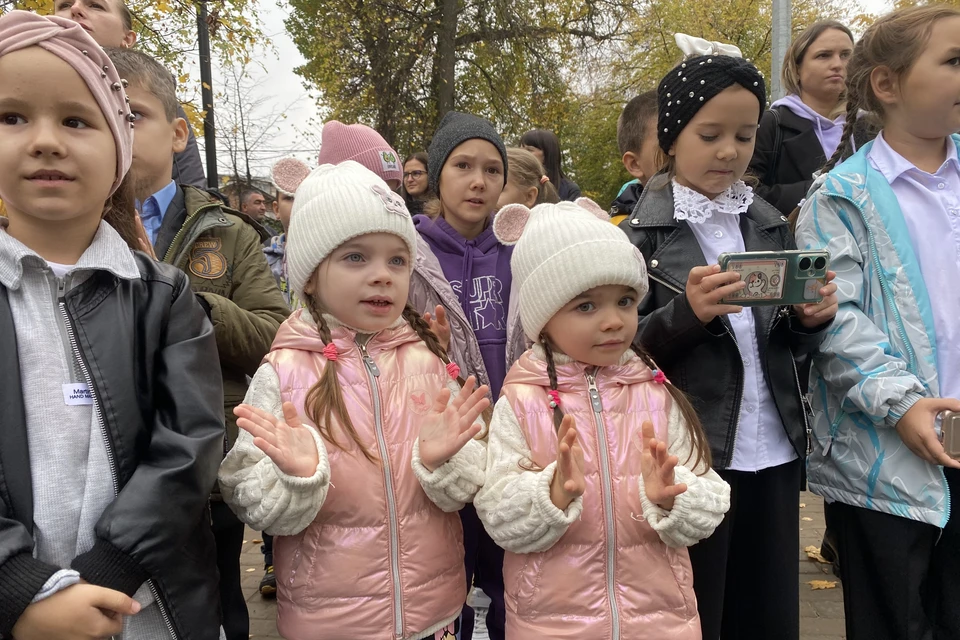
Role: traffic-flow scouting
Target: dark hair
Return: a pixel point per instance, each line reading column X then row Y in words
column 894, row 41
column 325, row 400
column 424, row 159
column 632, row 123
column 549, row 144
column 792, row 59
column 245, row 195
column 120, row 212
column 143, row 71
column 698, row 438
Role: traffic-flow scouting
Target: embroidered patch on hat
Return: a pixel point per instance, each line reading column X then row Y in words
column 206, row 260
column 392, row 202
column 389, row 161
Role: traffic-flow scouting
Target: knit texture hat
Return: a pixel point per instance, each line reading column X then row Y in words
column 287, row 174
column 697, row 80
column 336, row 203
column 358, row 142
column 561, row 251
column 455, row 129
column 68, row 41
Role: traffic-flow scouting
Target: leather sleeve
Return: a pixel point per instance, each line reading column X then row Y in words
column 21, row 575
column 163, row 502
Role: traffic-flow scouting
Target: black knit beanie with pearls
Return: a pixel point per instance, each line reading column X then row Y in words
column 693, row 83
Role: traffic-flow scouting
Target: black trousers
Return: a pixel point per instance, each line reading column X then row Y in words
column 483, row 561
column 901, row 578
column 746, row 575
column 228, row 532
column 267, row 550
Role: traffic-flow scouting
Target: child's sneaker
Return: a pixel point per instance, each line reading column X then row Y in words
column 268, row 586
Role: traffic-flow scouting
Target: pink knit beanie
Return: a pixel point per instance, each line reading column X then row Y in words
column 360, row 143
column 68, row 41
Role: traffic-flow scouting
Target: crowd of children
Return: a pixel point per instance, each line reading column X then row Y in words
column 445, row 374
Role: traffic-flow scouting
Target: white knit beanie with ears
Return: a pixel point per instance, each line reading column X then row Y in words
column 337, row 203
column 561, row 251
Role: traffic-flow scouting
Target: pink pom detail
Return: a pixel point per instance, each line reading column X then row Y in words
column 594, row 208
column 554, row 398
column 288, row 173
column 453, row 370
column 330, row 352
column 510, row 223
column 659, row 377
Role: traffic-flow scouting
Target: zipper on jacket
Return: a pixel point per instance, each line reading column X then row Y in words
column 373, row 373
column 603, row 446
column 186, row 225
column 98, row 415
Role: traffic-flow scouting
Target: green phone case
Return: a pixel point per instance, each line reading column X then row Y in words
column 777, row 277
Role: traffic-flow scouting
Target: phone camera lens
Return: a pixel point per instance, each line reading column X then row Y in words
column 805, row 264
column 820, row 263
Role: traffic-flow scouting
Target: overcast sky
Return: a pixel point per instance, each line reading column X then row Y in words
column 283, row 90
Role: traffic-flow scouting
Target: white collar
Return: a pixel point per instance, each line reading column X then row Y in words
column 696, row 208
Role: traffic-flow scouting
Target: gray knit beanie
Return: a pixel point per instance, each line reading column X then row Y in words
column 455, row 129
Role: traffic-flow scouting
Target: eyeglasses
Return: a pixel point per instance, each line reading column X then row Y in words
column 414, row 174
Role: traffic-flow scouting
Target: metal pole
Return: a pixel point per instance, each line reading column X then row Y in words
column 781, row 40
column 206, row 93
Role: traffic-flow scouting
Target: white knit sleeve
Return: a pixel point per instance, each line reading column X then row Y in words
column 455, row 482
column 514, row 503
column 697, row 511
column 257, row 491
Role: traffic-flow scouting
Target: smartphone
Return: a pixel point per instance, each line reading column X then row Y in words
column 777, row 277
column 950, row 433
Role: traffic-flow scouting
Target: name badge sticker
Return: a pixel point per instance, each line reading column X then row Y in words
column 77, row 394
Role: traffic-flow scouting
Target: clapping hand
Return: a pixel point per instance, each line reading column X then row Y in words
column 658, row 469
column 451, row 425
column 287, row 442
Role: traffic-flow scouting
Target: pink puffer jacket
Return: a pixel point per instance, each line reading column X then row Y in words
column 609, row 577
column 380, row 560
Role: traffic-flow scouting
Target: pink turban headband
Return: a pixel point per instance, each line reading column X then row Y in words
column 68, row 41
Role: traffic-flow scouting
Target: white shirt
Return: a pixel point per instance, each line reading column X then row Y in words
column 761, row 442
column 930, row 203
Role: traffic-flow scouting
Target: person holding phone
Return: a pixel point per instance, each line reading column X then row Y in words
column 736, row 364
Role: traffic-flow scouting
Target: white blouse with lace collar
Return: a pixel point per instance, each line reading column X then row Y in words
column 696, row 208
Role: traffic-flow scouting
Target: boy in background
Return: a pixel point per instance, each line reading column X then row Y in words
column 637, row 140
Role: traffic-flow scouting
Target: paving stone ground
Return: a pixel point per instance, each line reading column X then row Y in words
column 821, row 611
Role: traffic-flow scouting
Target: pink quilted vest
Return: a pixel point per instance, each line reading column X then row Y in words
column 609, row 577
column 380, row 560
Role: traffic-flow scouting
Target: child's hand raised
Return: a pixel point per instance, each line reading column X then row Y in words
column 812, row 316
column 451, row 425
column 658, row 469
column 287, row 442
column 439, row 325
column 707, row 286
column 568, row 482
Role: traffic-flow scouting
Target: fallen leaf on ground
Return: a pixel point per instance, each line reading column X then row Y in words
column 251, row 570
column 822, row 584
column 814, row 554
column 805, row 519
column 803, row 504
column 257, row 542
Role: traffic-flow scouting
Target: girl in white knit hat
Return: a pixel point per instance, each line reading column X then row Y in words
column 358, row 444
column 598, row 472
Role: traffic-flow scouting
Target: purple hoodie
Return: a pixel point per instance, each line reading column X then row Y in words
column 484, row 264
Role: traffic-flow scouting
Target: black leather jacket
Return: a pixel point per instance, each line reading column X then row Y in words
column 704, row 360
column 151, row 357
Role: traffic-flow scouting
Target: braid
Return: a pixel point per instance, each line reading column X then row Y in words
column 552, row 374
column 698, row 438
column 420, row 326
column 846, row 139
column 325, row 398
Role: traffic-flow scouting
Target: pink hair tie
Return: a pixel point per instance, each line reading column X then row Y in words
column 453, row 370
column 330, row 352
column 544, row 180
column 659, row 377
column 554, row 398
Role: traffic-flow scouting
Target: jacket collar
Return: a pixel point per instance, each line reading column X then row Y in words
column 107, row 252
column 531, row 369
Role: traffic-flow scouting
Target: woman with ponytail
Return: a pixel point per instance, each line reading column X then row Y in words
column 598, row 472
column 358, row 441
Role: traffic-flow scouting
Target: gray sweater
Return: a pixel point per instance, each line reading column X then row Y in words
column 72, row 481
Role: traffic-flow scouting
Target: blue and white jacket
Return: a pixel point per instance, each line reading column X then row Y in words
column 879, row 357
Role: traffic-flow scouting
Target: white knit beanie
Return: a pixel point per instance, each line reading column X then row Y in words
column 337, row 203
column 561, row 251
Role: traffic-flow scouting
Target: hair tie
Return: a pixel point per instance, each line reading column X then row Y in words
column 554, row 398
column 544, row 179
column 330, row 352
column 453, row 370
column 659, row 377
